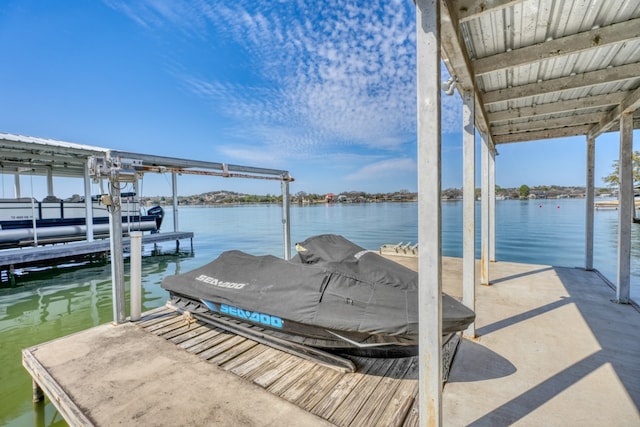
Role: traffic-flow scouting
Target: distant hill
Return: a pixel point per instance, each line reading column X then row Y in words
column 222, row 197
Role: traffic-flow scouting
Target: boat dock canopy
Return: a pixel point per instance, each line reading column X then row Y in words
column 41, row 156
column 545, row 69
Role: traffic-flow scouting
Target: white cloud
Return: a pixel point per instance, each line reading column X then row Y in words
column 330, row 74
column 391, row 168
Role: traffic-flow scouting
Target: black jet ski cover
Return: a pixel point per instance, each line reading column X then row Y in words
column 336, row 253
column 298, row 292
column 360, row 293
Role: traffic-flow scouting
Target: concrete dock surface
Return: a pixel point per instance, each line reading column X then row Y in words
column 552, row 349
column 123, row 375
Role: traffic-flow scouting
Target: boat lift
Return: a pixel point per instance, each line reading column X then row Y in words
column 121, row 167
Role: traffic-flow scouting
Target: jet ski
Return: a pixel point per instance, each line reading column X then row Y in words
column 334, row 295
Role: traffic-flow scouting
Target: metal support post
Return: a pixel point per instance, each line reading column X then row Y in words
column 469, row 207
column 484, row 213
column 492, row 206
column 17, row 192
column 174, row 198
column 88, row 204
column 135, row 264
column 429, row 212
column 286, row 225
column 590, row 193
column 50, row 181
column 117, row 259
column 626, row 203
column 174, row 190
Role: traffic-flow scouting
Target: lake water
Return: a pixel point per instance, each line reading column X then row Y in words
column 58, row 301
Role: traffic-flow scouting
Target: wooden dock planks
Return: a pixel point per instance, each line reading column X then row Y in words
column 381, row 391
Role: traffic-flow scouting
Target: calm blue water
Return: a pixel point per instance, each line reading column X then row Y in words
column 56, row 302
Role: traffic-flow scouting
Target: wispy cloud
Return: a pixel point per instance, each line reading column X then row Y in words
column 389, row 169
column 329, row 74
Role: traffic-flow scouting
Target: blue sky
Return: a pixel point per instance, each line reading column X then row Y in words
column 323, row 89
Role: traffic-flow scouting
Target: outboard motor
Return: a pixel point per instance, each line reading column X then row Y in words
column 158, row 213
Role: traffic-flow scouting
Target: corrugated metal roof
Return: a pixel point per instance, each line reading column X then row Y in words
column 39, row 155
column 545, row 68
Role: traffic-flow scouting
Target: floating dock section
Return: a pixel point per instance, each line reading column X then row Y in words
column 552, row 349
column 11, row 259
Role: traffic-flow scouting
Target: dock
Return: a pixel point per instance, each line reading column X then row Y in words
column 552, row 349
column 39, row 255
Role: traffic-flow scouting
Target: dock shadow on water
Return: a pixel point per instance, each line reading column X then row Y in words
column 48, row 303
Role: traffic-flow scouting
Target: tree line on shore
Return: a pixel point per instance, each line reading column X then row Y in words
column 229, row 197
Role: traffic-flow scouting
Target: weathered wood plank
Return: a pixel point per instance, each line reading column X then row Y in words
column 160, row 326
column 380, row 397
column 175, row 329
column 261, row 361
column 154, row 314
column 199, row 339
column 328, row 405
column 243, row 358
column 319, row 390
column 269, row 377
column 299, row 388
column 191, row 332
column 395, row 412
column 210, row 343
column 283, row 383
column 413, row 419
column 276, row 357
column 351, row 404
column 222, row 347
column 233, row 352
column 171, row 331
column 165, row 314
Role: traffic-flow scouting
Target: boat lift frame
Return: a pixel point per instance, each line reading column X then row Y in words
column 120, row 166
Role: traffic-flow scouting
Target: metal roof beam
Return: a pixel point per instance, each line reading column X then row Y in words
column 457, row 60
column 557, row 107
column 569, row 45
column 39, row 169
column 542, row 134
column 172, row 162
column 561, row 122
column 606, row 75
column 32, row 156
column 471, row 9
column 628, row 105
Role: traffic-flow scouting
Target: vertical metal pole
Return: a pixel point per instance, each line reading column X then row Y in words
column 88, row 204
column 429, row 212
column 286, row 225
column 50, row 181
column 590, row 193
column 17, row 192
column 135, row 263
column 626, row 203
column 469, row 207
column 34, row 216
column 117, row 260
column 492, row 206
column 484, row 213
column 174, row 189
